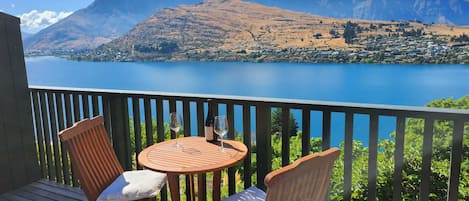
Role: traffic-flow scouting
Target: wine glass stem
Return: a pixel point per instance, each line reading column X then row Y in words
column 222, row 147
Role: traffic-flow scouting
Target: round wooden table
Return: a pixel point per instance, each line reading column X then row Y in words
column 195, row 156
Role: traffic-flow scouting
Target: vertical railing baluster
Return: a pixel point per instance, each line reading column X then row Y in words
column 55, row 135
column 426, row 160
column 285, row 136
column 247, row 142
column 95, row 103
column 69, row 123
column 215, row 108
column 200, row 118
column 186, row 118
column 231, row 135
column 40, row 133
column 172, row 108
column 160, row 120
column 47, row 136
column 263, row 140
column 348, row 150
column 117, row 131
column 148, row 121
column 305, row 132
column 120, row 129
column 326, row 130
column 107, row 114
column 160, row 134
column 456, row 157
column 137, row 129
column 399, row 158
column 86, row 105
column 217, row 174
column 201, row 178
column 76, row 107
column 126, row 126
column 68, row 110
column 372, row 156
column 187, row 132
column 63, row 150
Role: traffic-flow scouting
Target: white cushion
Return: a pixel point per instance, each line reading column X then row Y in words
column 134, row 185
column 252, row 193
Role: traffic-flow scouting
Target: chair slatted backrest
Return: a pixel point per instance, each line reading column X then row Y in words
column 307, row 179
column 92, row 155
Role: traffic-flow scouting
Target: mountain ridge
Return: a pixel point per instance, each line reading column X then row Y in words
column 105, row 20
column 428, row 11
column 233, row 29
column 98, row 23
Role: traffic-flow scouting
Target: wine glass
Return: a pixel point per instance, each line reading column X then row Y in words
column 221, row 128
column 175, row 122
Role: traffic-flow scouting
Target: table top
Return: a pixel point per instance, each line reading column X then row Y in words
column 194, row 156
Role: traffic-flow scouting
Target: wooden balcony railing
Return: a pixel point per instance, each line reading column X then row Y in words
column 126, row 111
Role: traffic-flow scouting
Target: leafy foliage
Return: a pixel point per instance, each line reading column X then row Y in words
column 277, row 123
column 350, row 32
column 412, row 164
column 413, row 144
column 462, row 38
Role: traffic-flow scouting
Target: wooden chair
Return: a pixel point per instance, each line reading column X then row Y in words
column 99, row 172
column 307, row 179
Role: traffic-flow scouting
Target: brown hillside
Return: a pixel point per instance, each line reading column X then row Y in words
column 234, row 25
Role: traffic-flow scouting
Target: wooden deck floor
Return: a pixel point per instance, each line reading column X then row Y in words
column 43, row 190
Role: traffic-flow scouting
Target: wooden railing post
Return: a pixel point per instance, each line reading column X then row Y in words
column 263, row 143
column 120, row 130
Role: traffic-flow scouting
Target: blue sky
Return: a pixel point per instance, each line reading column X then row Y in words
column 38, row 14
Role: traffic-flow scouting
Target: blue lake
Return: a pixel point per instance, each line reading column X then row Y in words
column 412, row 85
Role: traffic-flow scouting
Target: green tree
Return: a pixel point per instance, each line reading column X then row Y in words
column 350, row 32
column 276, row 121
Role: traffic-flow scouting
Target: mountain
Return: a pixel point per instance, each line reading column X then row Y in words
column 231, row 30
column 96, row 24
column 25, row 35
column 429, row 11
column 105, row 20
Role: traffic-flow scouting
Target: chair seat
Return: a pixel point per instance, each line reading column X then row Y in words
column 252, row 193
column 134, row 185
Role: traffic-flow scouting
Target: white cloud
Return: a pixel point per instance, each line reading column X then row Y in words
column 34, row 21
column 13, row 5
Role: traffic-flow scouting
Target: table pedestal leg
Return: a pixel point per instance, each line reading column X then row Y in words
column 173, row 180
column 216, row 185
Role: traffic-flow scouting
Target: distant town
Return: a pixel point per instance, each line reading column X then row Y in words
column 376, row 49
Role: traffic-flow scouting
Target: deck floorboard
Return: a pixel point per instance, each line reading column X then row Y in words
column 44, row 190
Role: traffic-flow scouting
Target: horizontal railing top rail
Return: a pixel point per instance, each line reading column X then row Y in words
column 394, row 110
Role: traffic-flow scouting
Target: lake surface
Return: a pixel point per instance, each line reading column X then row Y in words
column 412, row 85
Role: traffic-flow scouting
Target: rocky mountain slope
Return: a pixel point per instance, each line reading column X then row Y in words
column 105, row 20
column 96, row 24
column 224, row 30
column 436, row 11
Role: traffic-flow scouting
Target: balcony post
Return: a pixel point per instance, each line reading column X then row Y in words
column 19, row 163
column 263, row 143
column 120, row 129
